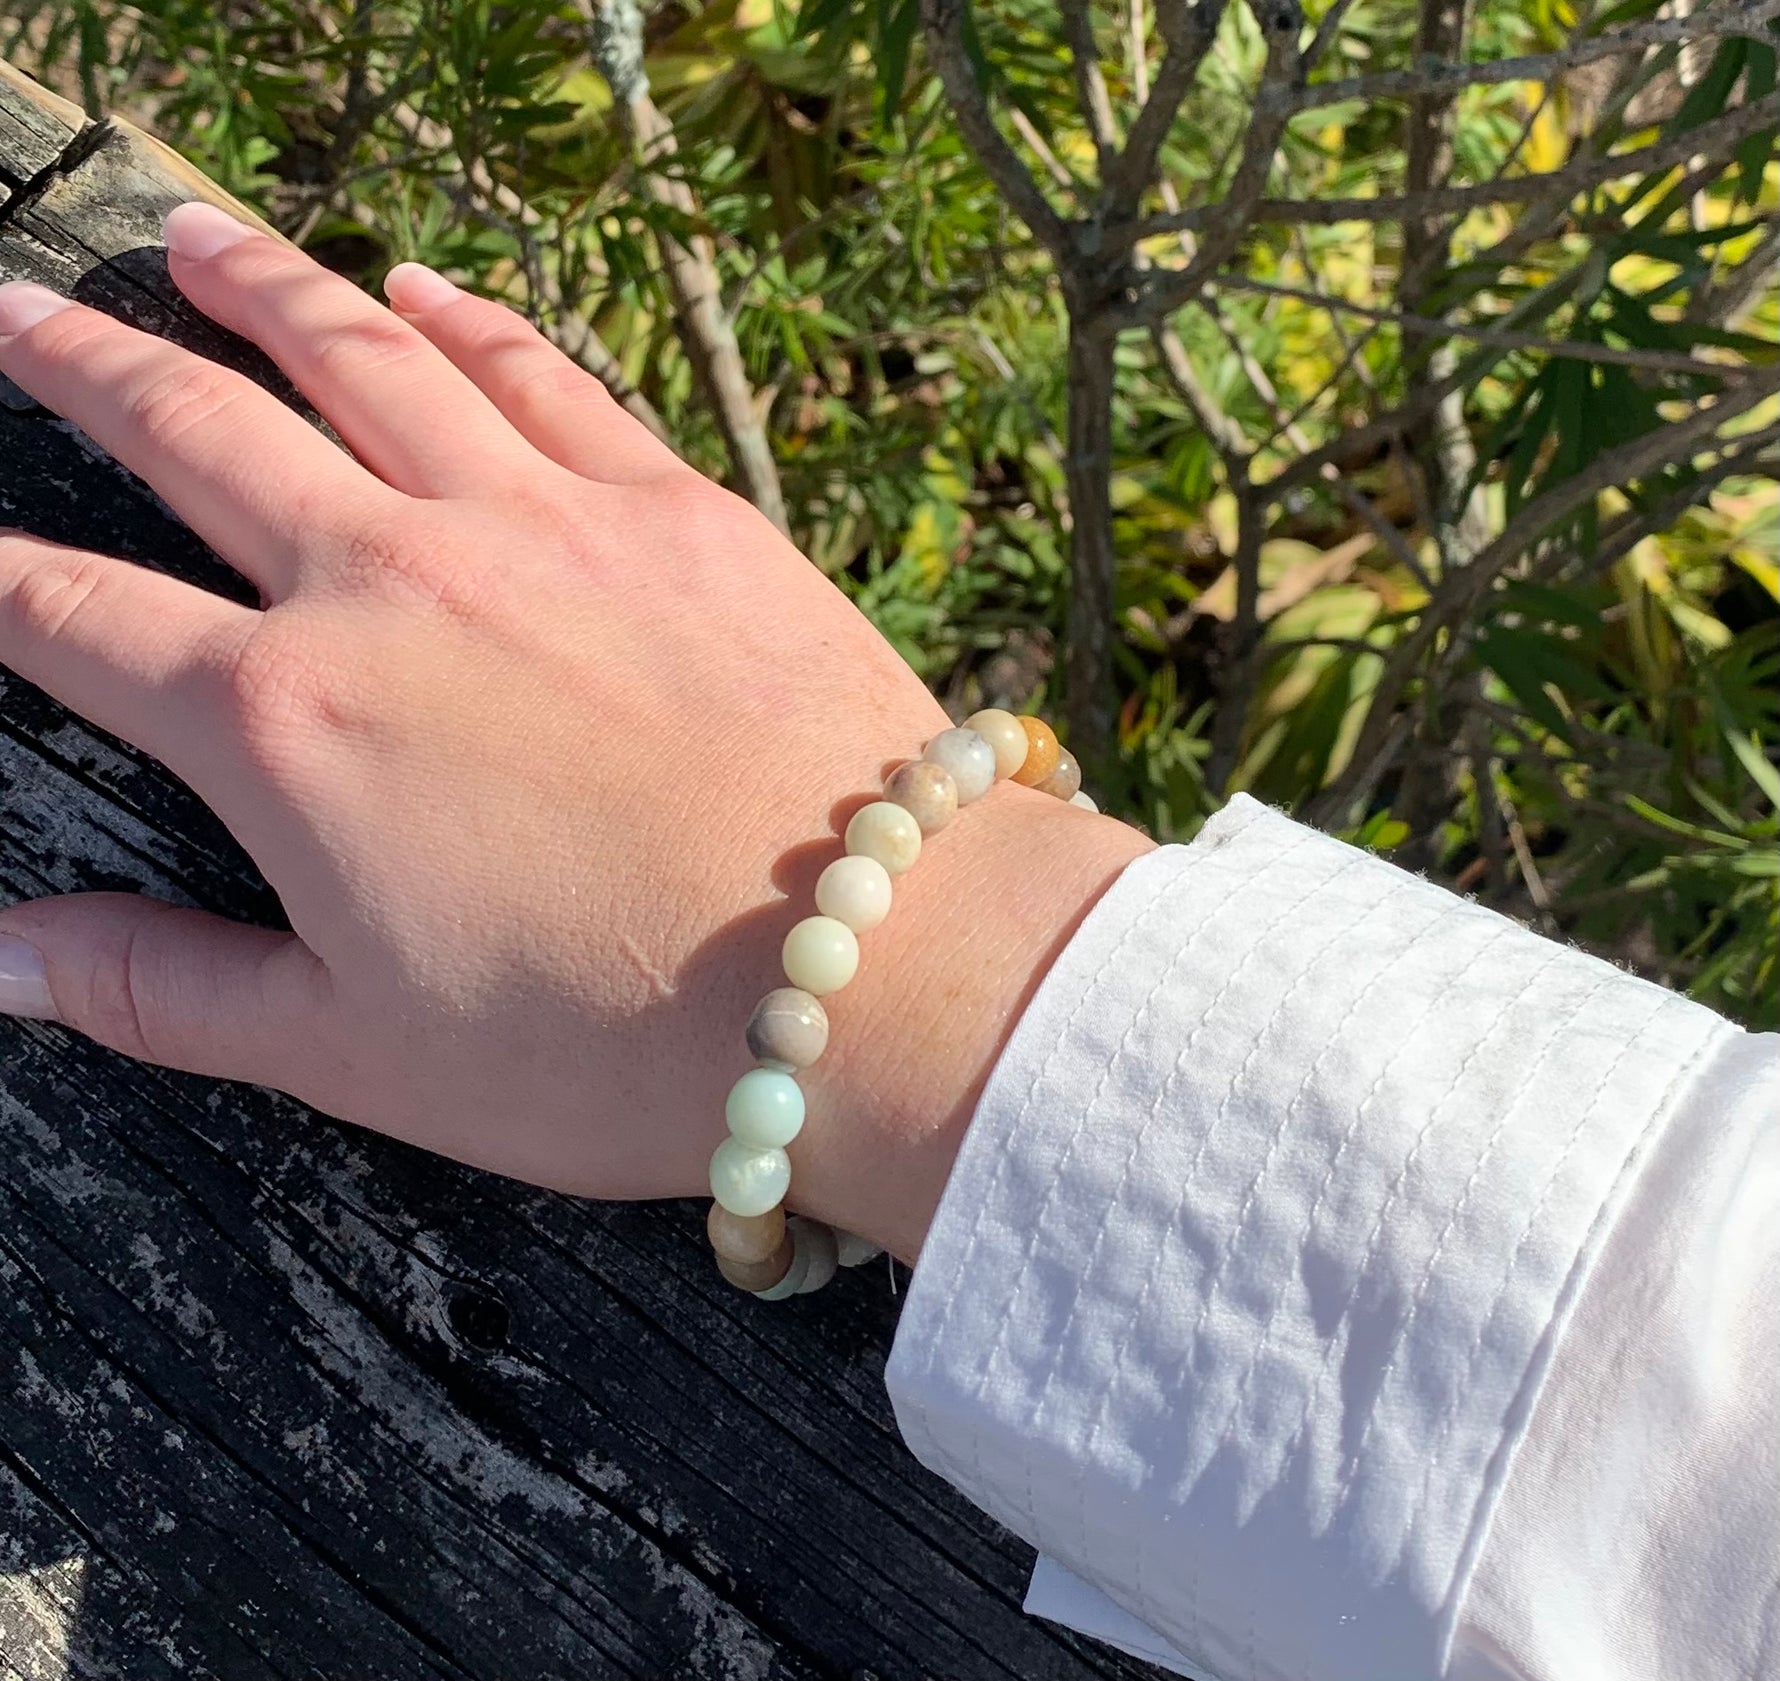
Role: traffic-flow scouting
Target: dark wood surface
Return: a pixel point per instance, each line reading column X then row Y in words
column 280, row 1398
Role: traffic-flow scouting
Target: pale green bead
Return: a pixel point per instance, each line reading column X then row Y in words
column 746, row 1180
column 821, row 955
column 967, row 758
column 854, row 890
column 852, row 1250
column 792, row 1282
column 765, row 1109
column 814, row 1242
column 1081, row 799
column 886, row 832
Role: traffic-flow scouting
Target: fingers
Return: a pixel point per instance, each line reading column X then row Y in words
column 557, row 406
column 402, row 408
column 141, row 654
column 250, row 477
column 167, row 985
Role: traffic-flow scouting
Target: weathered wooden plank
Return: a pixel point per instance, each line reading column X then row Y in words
column 279, row 1398
column 36, row 128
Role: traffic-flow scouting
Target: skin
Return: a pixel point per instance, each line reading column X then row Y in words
column 541, row 738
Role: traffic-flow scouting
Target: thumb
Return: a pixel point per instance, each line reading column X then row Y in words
column 181, row 988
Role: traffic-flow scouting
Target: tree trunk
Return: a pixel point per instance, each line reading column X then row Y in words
column 1088, row 666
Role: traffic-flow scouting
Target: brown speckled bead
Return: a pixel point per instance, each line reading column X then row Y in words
column 926, row 792
column 1042, row 752
column 790, row 1026
column 1066, row 780
column 747, row 1239
column 759, row 1275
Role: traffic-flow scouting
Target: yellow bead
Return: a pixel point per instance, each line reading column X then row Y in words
column 1042, row 752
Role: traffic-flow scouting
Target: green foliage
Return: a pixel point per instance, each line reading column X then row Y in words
column 1598, row 730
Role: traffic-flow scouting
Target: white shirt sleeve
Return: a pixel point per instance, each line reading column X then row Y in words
column 1338, row 1282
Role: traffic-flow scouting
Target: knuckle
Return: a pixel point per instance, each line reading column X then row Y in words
column 173, row 403
column 278, row 692
column 47, row 599
column 365, row 346
column 117, row 1008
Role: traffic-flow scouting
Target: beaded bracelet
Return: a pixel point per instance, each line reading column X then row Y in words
column 758, row 1249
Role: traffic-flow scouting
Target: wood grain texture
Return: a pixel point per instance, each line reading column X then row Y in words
column 280, row 1398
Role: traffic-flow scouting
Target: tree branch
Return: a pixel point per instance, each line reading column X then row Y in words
column 943, row 24
column 1189, row 32
column 1078, row 30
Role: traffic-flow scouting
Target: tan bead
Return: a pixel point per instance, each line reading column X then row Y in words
column 1003, row 733
column 1065, row 782
column 790, row 1026
column 926, row 792
column 1042, row 752
column 759, row 1275
column 747, row 1239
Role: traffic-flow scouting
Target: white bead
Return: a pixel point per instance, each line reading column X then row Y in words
column 765, row 1108
column 968, row 758
column 821, row 955
column 1005, row 734
column 886, row 832
column 852, row 1250
column 815, row 1242
column 1081, row 799
column 854, row 890
column 792, row 1282
column 749, row 1181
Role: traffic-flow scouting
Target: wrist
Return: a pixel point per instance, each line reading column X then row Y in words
column 976, row 925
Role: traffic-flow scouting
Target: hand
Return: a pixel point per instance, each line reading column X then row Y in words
column 527, row 719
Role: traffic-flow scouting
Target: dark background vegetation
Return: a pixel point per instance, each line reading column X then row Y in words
column 1372, row 406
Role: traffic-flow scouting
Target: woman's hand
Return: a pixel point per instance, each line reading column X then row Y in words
column 522, row 734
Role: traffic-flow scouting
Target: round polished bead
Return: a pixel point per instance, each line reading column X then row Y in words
column 747, row 1239
column 760, row 1275
column 815, row 1242
column 852, row 1250
column 1006, row 739
column 746, row 1180
column 965, row 757
column 789, row 1026
column 887, row 833
column 1085, row 801
column 1042, row 750
column 821, row 955
column 854, row 890
column 1065, row 782
column 792, row 1282
column 927, row 793
column 765, row 1109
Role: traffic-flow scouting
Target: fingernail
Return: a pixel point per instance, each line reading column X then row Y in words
column 197, row 230
column 24, row 986
column 413, row 287
column 23, row 303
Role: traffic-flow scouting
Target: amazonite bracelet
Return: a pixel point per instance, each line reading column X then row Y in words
column 760, row 1249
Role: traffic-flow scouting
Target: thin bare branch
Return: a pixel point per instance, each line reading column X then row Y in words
column 1096, row 104
column 1716, row 137
column 1428, row 326
column 1189, row 31
column 943, row 24
column 1434, row 77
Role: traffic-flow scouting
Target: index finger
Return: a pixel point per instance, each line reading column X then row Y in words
column 249, row 475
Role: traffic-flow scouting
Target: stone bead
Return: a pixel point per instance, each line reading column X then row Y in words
column 792, row 1282
column 965, row 757
column 1042, row 751
column 887, row 833
column 1065, row 782
column 821, row 955
column 755, row 1276
column 746, row 1180
column 746, row 1239
column 765, row 1109
column 927, row 793
column 1085, row 801
column 815, row 1242
column 852, row 1250
column 789, row 1027
column 854, row 890
column 1006, row 739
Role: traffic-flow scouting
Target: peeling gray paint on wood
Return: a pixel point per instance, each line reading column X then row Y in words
column 283, row 1399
